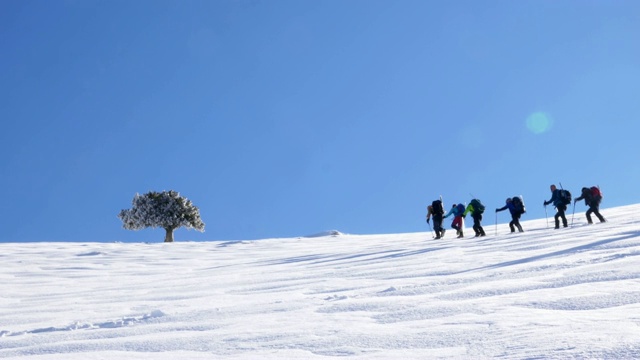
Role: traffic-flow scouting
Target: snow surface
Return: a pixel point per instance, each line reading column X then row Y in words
column 542, row 294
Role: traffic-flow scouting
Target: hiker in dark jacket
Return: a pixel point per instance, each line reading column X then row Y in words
column 560, row 206
column 515, row 215
column 437, row 221
column 592, row 200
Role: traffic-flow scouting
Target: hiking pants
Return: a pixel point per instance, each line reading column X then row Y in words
column 457, row 222
column 515, row 223
column 560, row 214
column 437, row 224
column 593, row 209
column 476, row 225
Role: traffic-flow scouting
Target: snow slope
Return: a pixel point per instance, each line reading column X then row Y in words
column 552, row 294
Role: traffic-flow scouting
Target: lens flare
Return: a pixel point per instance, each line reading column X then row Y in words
column 539, row 122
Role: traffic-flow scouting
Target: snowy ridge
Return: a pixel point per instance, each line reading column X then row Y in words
column 545, row 293
column 326, row 233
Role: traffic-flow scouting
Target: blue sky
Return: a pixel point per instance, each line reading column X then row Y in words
column 288, row 118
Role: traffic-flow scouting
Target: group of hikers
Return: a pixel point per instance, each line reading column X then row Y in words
column 560, row 198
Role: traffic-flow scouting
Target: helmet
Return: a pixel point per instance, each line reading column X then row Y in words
column 508, row 200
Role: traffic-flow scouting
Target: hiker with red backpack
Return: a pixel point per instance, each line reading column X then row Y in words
column 457, row 211
column 516, row 208
column 592, row 198
column 435, row 211
column 560, row 199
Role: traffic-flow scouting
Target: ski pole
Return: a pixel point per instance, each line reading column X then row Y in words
column 431, row 230
column 574, row 213
column 546, row 216
column 496, row 223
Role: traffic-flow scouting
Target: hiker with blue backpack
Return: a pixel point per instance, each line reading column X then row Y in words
column 516, row 208
column 592, row 198
column 457, row 211
column 476, row 209
column 560, row 199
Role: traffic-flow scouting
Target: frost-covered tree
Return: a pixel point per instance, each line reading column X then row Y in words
column 167, row 210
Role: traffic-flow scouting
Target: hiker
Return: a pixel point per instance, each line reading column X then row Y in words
column 457, row 211
column 592, row 197
column 516, row 211
column 476, row 209
column 436, row 211
column 560, row 203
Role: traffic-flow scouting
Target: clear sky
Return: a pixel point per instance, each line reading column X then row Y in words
column 288, row 118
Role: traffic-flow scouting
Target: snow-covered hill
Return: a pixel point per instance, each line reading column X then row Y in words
column 542, row 294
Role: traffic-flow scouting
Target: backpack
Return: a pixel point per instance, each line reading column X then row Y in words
column 437, row 207
column 565, row 197
column 596, row 194
column 518, row 205
column 460, row 209
column 478, row 208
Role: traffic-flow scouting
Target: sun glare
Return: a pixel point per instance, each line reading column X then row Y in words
column 539, row 122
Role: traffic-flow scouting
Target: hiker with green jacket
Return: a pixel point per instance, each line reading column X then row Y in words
column 476, row 209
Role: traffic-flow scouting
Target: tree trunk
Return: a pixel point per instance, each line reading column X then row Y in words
column 169, row 236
